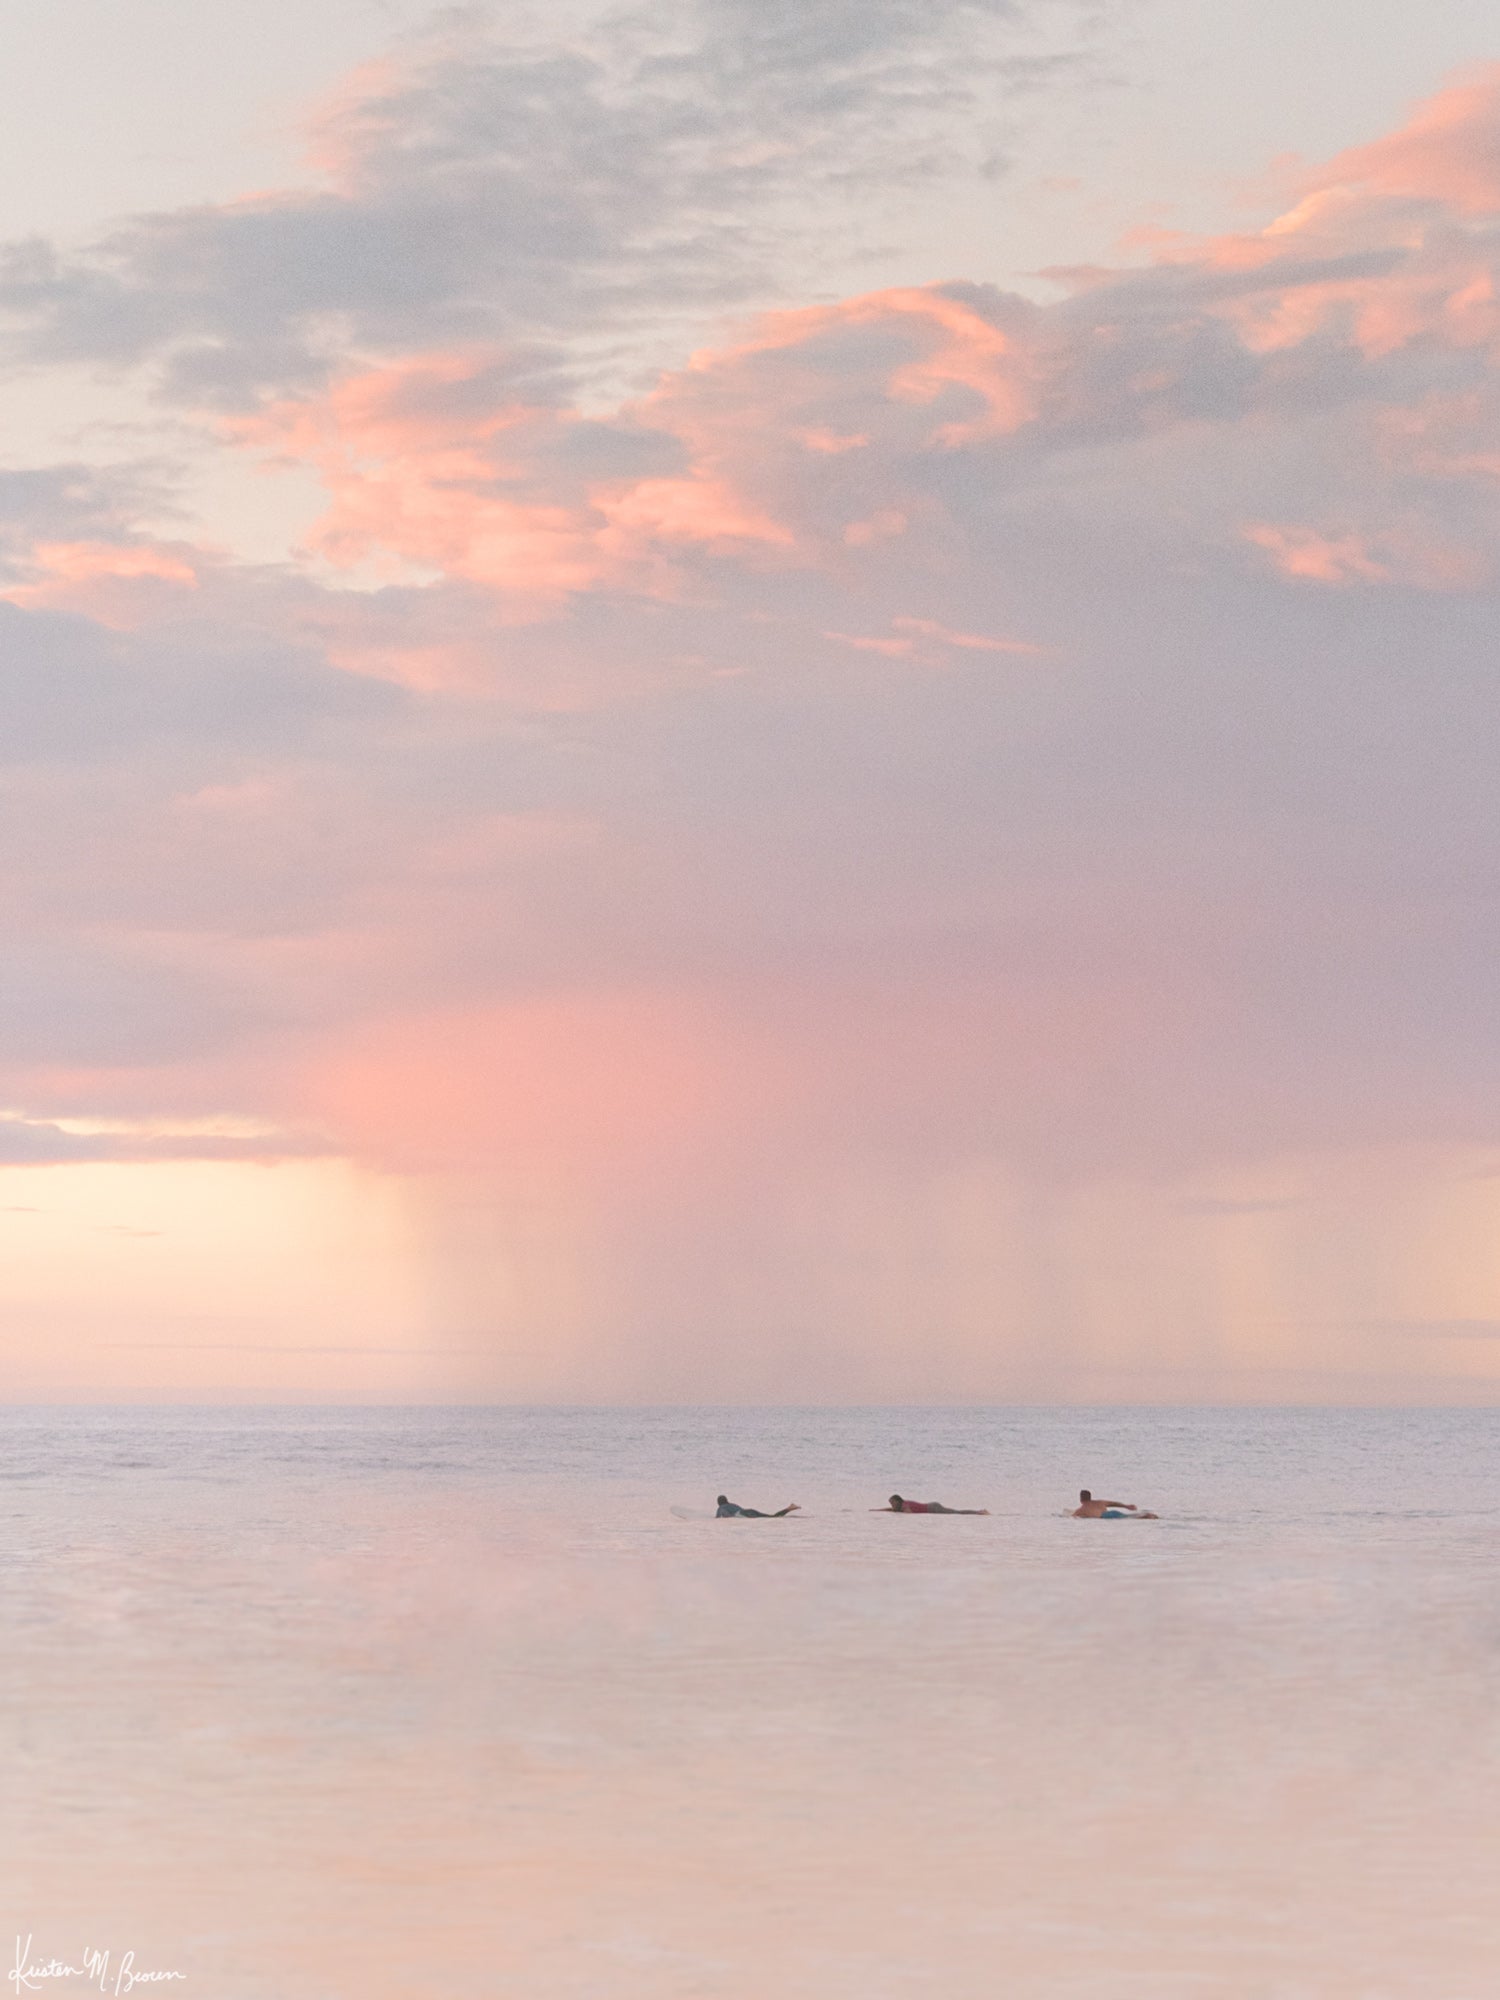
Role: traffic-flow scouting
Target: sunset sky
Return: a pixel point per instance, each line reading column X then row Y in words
column 766, row 700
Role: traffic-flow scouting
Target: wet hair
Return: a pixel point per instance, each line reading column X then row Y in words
column 722, row 1501
column 1085, row 1496
column 897, row 1501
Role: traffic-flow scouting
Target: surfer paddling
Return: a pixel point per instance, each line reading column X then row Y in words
column 726, row 1510
column 1090, row 1509
column 897, row 1505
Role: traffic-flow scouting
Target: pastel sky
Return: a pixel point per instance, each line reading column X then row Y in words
column 750, row 701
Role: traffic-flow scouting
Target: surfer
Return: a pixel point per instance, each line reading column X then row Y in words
column 899, row 1506
column 1090, row 1509
column 726, row 1510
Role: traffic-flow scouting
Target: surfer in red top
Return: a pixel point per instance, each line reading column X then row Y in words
column 899, row 1506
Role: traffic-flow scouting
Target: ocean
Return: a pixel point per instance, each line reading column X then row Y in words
column 449, row 1704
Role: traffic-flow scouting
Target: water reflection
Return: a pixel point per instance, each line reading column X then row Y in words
column 451, row 1704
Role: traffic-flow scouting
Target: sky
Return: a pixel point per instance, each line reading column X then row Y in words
column 750, row 702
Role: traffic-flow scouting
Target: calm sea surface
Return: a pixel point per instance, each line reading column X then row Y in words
column 441, row 1704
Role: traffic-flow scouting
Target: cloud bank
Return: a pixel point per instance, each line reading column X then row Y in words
column 931, row 731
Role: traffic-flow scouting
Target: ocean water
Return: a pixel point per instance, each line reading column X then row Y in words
column 450, row 1705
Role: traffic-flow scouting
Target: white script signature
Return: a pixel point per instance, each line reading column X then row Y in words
column 28, row 1974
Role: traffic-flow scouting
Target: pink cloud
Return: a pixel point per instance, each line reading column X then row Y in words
column 814, row 441
column 892, row 648
column 1449, row 152
column 116, row 583
column 417, row 461
column 1305, row 552
column 427, row 467
column 431, row 464
column 1412, row 194
column 970, row 354
column 828, row 441
column 704, row 511
column 884, row 359
column 977, row 642
column 911, row 633
column 881, row 527
column 1400, row 556
column 857, row 439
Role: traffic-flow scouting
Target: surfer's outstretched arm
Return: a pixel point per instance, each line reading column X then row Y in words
column 1089, row 1509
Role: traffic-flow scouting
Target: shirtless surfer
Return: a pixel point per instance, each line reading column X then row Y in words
column 726, row 1511
column 1090, row 1509
column 899, row 1506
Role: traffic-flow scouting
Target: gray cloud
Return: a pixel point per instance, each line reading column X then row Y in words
column 28, row 1142
column 71, row 690
column 111, row 1001
column 74, row 500
column 664, row 162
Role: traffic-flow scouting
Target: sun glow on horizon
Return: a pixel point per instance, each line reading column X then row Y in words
column 205, row 1280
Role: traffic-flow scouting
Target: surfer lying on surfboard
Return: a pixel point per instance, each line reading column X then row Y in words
column 726, row 1510
column 1090, row 1509
column 899, row 1506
